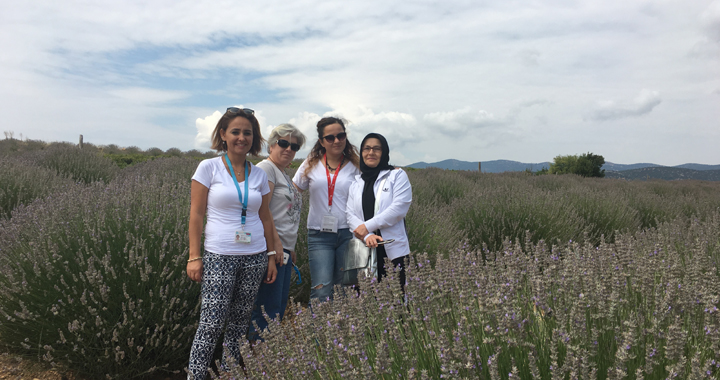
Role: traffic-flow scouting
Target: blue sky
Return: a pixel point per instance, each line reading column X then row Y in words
column 522, row 80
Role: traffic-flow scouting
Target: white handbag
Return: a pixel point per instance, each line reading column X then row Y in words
column 359, row 258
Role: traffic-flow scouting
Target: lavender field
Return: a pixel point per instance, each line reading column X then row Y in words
column 512, row 275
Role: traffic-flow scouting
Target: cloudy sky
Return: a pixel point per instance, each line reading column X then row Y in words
column 475, row 80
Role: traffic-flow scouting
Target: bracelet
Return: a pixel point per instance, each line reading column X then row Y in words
column 197, row 258
column 271, row 253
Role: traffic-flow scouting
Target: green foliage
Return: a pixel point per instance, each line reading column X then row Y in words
column 586, row 165
column 81, row 165
column 22, row 182
column 645, row 306
column 93, row 278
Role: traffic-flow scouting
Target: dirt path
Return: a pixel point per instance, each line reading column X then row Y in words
column 15, row 368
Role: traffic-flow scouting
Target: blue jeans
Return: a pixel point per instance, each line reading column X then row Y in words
column 326, row 253
column 274, row 297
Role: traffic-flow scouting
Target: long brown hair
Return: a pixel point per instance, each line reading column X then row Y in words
column 316, row 153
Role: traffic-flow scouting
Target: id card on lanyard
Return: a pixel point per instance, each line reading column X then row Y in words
column 241, row 236
column 329, row 221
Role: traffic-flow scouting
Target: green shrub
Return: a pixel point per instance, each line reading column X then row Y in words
column 81, row 165
column 94, row 278
column 22, row 182
column 639, row 307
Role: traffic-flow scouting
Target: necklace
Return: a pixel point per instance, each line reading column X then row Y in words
column 333, row 169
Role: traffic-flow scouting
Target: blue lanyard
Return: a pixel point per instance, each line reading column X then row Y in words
column 243, row 200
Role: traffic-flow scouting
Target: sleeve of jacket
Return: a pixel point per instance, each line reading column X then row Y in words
column 401, row 200
column 354, row 216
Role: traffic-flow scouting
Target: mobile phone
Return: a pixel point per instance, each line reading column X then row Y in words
column 286, row 257
column 386, row 241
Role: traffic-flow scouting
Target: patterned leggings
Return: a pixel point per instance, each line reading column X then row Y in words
column 229, row 286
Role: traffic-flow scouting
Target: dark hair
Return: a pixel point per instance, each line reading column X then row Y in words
column 219, row 145
column 316, row 153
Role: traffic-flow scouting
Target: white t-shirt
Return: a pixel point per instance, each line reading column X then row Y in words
column 224, row 209
column 317, row 182
column 285, row 205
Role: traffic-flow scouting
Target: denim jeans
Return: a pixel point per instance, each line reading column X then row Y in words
column 274, row 297
column 326, row 253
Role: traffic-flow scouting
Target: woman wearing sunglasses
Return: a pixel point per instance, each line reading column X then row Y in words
column 327, row 173
column 377, row 204
column 285, row 205
column 234, row 196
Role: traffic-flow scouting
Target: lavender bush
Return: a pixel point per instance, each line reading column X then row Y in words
column 22, row 182
column 642, row 307
column 80, row 164
column 94, row 278
column 603, row 278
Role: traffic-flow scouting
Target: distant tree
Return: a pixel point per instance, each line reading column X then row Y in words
column 154, row 151
column 175, row 152
column 193, row 153
column 586, row 165
column 132, row 150
column 563, row 165
column 589, row 165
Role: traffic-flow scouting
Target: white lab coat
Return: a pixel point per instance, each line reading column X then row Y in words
column 395, row 199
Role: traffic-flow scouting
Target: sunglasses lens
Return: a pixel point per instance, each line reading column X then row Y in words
column 331, row 138
column 247, row 111
column 284, row 144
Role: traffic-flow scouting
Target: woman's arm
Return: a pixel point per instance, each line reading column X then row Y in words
column 277, row 244
column 270, row 233
column 354, row 216
column 401, row 200
column 198, row 207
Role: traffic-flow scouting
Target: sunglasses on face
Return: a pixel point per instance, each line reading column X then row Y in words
column 284, row 144
column 331, row 138
column 235, row 110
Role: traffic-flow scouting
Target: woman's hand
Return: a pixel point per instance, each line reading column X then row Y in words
column 194, row 270
column 361, row 232
column 372, row 241
column 271, row 271
column 279, row 254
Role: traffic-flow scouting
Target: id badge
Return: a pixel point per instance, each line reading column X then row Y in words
column 329, row 224
column 243, row 237
column 286, row 257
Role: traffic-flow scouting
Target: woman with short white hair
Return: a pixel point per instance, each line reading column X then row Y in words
column 285, row 206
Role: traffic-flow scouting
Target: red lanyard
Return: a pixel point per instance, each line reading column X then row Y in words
column 331, row 184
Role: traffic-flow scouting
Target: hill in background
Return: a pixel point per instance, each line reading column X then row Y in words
column 639, row 171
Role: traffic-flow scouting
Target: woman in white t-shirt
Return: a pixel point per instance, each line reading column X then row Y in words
column 235, row 197
column 328, row 172
column 285, row 205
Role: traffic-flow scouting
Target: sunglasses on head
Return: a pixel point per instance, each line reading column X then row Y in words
column 235, row 110
column 284, row 144
column 331, row 138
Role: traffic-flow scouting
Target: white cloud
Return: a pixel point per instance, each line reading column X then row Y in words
column 462, row 120
column 643, row 104
column 398, row 68
column 148, row 95
column 205, row 127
